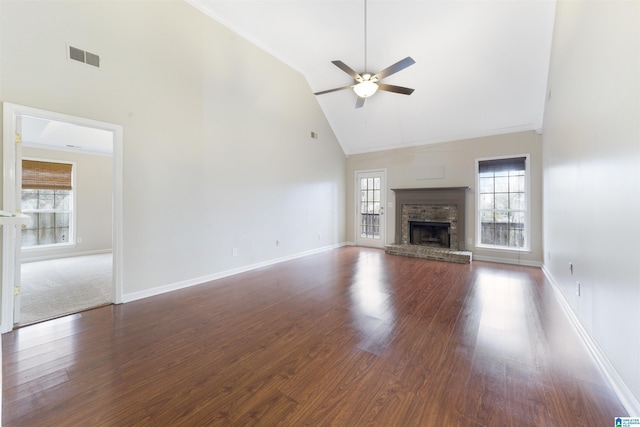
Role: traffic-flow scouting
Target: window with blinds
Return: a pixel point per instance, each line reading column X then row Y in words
column 47, row 195
column 502, row 202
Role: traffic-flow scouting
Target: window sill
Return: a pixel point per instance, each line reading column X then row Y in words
column 39, row 248
column 503, row 248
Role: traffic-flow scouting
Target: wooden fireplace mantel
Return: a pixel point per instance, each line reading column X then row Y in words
column 420, row 192
column 432, row 196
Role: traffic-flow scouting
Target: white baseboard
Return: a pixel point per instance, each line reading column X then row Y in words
column 66, row 255
column 618, row 385
column 205, row 279
column 507, row 260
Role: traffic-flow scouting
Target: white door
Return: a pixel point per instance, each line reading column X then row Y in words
column 371, row 193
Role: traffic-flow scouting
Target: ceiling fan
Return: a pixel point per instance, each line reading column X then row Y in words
column 366, row 84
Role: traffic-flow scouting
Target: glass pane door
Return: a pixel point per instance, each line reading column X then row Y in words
column 370, row 208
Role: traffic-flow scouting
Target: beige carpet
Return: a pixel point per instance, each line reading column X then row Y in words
column 57, row 287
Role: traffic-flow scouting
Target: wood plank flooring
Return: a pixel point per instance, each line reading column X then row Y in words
column 348, row 337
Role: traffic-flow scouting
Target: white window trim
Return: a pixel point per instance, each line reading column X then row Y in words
column 527, row 214
column 72, row 232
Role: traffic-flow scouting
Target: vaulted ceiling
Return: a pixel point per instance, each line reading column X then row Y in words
column 481, row 66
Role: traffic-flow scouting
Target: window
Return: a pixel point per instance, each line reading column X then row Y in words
column 47, row 198
column 502, row 203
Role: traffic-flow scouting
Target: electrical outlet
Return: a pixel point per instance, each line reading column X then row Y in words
column 79, row 239
column 277, row 242
column 319, row 236
column 234, row 252
column 578, row 288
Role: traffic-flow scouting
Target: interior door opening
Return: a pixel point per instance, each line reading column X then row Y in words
column 65, row 192
column 62, row 275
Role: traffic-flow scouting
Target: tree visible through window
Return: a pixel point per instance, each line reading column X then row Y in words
column 47, row 200
column 502, row 202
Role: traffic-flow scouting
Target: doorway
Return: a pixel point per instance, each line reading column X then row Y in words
column 370, row 201
column 14, row 119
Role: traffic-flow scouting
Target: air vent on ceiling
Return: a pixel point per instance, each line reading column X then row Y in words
column 84, row 56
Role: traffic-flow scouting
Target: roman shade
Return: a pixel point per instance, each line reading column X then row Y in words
column 501, row 165
column 37, row 175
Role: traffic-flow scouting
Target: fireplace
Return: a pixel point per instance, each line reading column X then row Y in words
column 434, row 234
column 430, row 223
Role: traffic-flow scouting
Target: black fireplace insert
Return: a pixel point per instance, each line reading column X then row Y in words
column 435, row 234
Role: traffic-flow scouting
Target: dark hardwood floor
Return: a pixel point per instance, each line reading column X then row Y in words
column 347, row 337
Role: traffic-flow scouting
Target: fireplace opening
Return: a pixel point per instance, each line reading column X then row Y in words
column 435, row 234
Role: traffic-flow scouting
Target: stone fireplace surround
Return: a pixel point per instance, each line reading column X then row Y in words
column 439, row 204
column 429, row 213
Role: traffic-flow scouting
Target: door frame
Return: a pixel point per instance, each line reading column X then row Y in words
column 383, row 203
column 9, row 246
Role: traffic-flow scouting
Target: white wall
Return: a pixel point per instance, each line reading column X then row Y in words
column 217, row 148
column 453, row 164
column 93, row 191
column 591, row 146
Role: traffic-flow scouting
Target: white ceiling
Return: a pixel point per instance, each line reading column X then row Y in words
column 481, row 66
column 56, row 135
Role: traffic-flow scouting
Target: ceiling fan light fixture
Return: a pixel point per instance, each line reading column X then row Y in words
column 365, row 89
column 366, row 84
